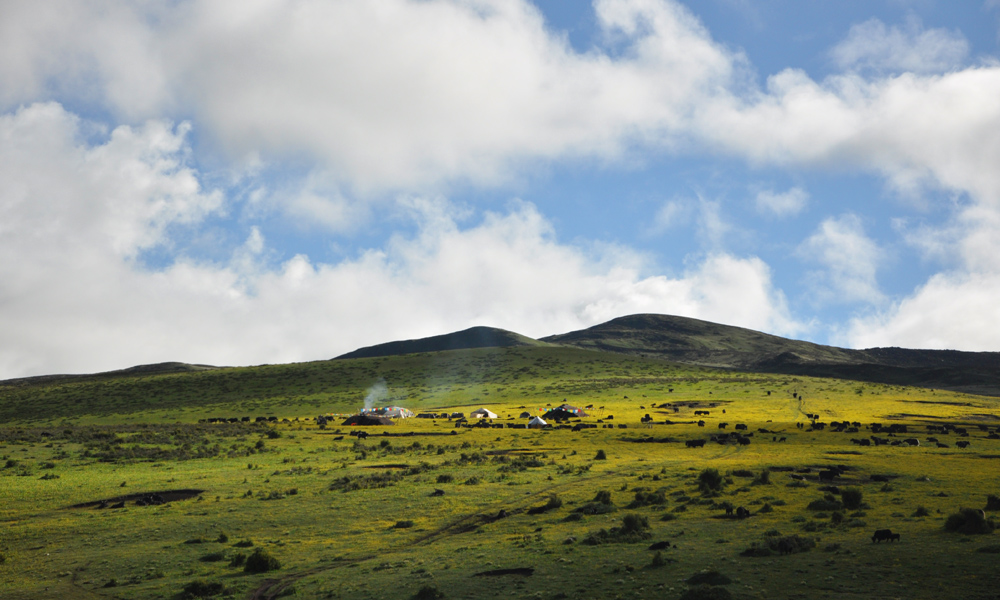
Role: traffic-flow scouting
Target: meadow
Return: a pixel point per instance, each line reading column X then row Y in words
column 427, row 509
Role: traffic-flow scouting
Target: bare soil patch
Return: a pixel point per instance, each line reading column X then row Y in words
column 167, row 496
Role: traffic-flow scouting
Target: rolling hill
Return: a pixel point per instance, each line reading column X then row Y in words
column 474, row 337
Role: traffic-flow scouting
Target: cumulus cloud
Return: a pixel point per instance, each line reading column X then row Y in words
column 872, row 45
column 782, row 204
column 849, row 259
column 387, row 95
column 76, row 213
column 950, row 311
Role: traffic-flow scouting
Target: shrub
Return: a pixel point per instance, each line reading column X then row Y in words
column 223, row 538
column 472, row 480
column 261, row 562
column 643, row 498
column 634, row 529
column 213, row 557
column 992, row 502
column 708, row 578
column 201, row 589
column 428, row 592
column 969, row 521
column 837, row 517
column 403, row 525
column 244, row 544
column 829, row 502
column 238, row 560
column 658, row 561
column 603, row 496
column 633, row 523
column 706, row 592
column 921, row 512
column 771, row 544
column 445, row 478
column 764, row 478
column 851, row 497
column 991, row 549
column 601, row 455
column 710, row 481
column 742, row 473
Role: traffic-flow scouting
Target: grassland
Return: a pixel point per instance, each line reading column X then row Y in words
column 352, row 518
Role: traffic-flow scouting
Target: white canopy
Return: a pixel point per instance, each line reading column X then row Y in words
column 537, row 423
column 483, row 413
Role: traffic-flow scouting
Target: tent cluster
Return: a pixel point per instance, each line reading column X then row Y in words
column 392, row 412
column 564, row 412
column 368, row 419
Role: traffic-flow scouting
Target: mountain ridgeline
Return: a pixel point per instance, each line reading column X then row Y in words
column 474, row 337
column 696, row 342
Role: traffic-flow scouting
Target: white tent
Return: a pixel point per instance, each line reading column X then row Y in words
column 483, row 413
column 394, row 412
column 537, row 423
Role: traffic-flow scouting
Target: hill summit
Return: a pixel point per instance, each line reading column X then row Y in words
column 474, row 337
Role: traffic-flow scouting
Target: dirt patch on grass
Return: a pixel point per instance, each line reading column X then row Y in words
column 940, row 402
column 499, row 572
column 904, row 416
column 167, row 496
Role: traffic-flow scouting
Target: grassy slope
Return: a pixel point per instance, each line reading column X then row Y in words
column 337, row 544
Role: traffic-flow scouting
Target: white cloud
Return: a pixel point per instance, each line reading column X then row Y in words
column 75, row 215
column 950, row 311
column 871, row 45
column 387, row 95
column 849, row 259
column 782, row 204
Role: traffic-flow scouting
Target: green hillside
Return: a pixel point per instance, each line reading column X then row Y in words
column 113, row 486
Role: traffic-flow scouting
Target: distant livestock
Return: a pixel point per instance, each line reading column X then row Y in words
column 695, row 443
column 885, row 535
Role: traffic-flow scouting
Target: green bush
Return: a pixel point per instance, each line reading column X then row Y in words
column 244, row 544
column 601, row 455
column 969, row 521
column 764, row 478
column 634, row 523
column 644, row 498
column 708, row 578
column 201, row 589
column 428, row 592
column 706, row 592
column 829, row 502
column 851, row 497
column 213, row 557
column 921, row 512
column 603, row 496
column 261, row 562
column 710, row 481
column 403, row 525
column 445, row 478
column 238, row 560
column 992, row 502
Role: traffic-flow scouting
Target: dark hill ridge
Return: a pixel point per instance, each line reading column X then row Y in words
column 693, row 341
column 153, row 369
column 474, row 337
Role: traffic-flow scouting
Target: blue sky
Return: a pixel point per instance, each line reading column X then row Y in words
column 244, row 183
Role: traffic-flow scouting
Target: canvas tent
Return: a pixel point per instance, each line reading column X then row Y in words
column 393, row 412
column 483, row 413
column 537, row 423
column 368, row 420
column 564, row 413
